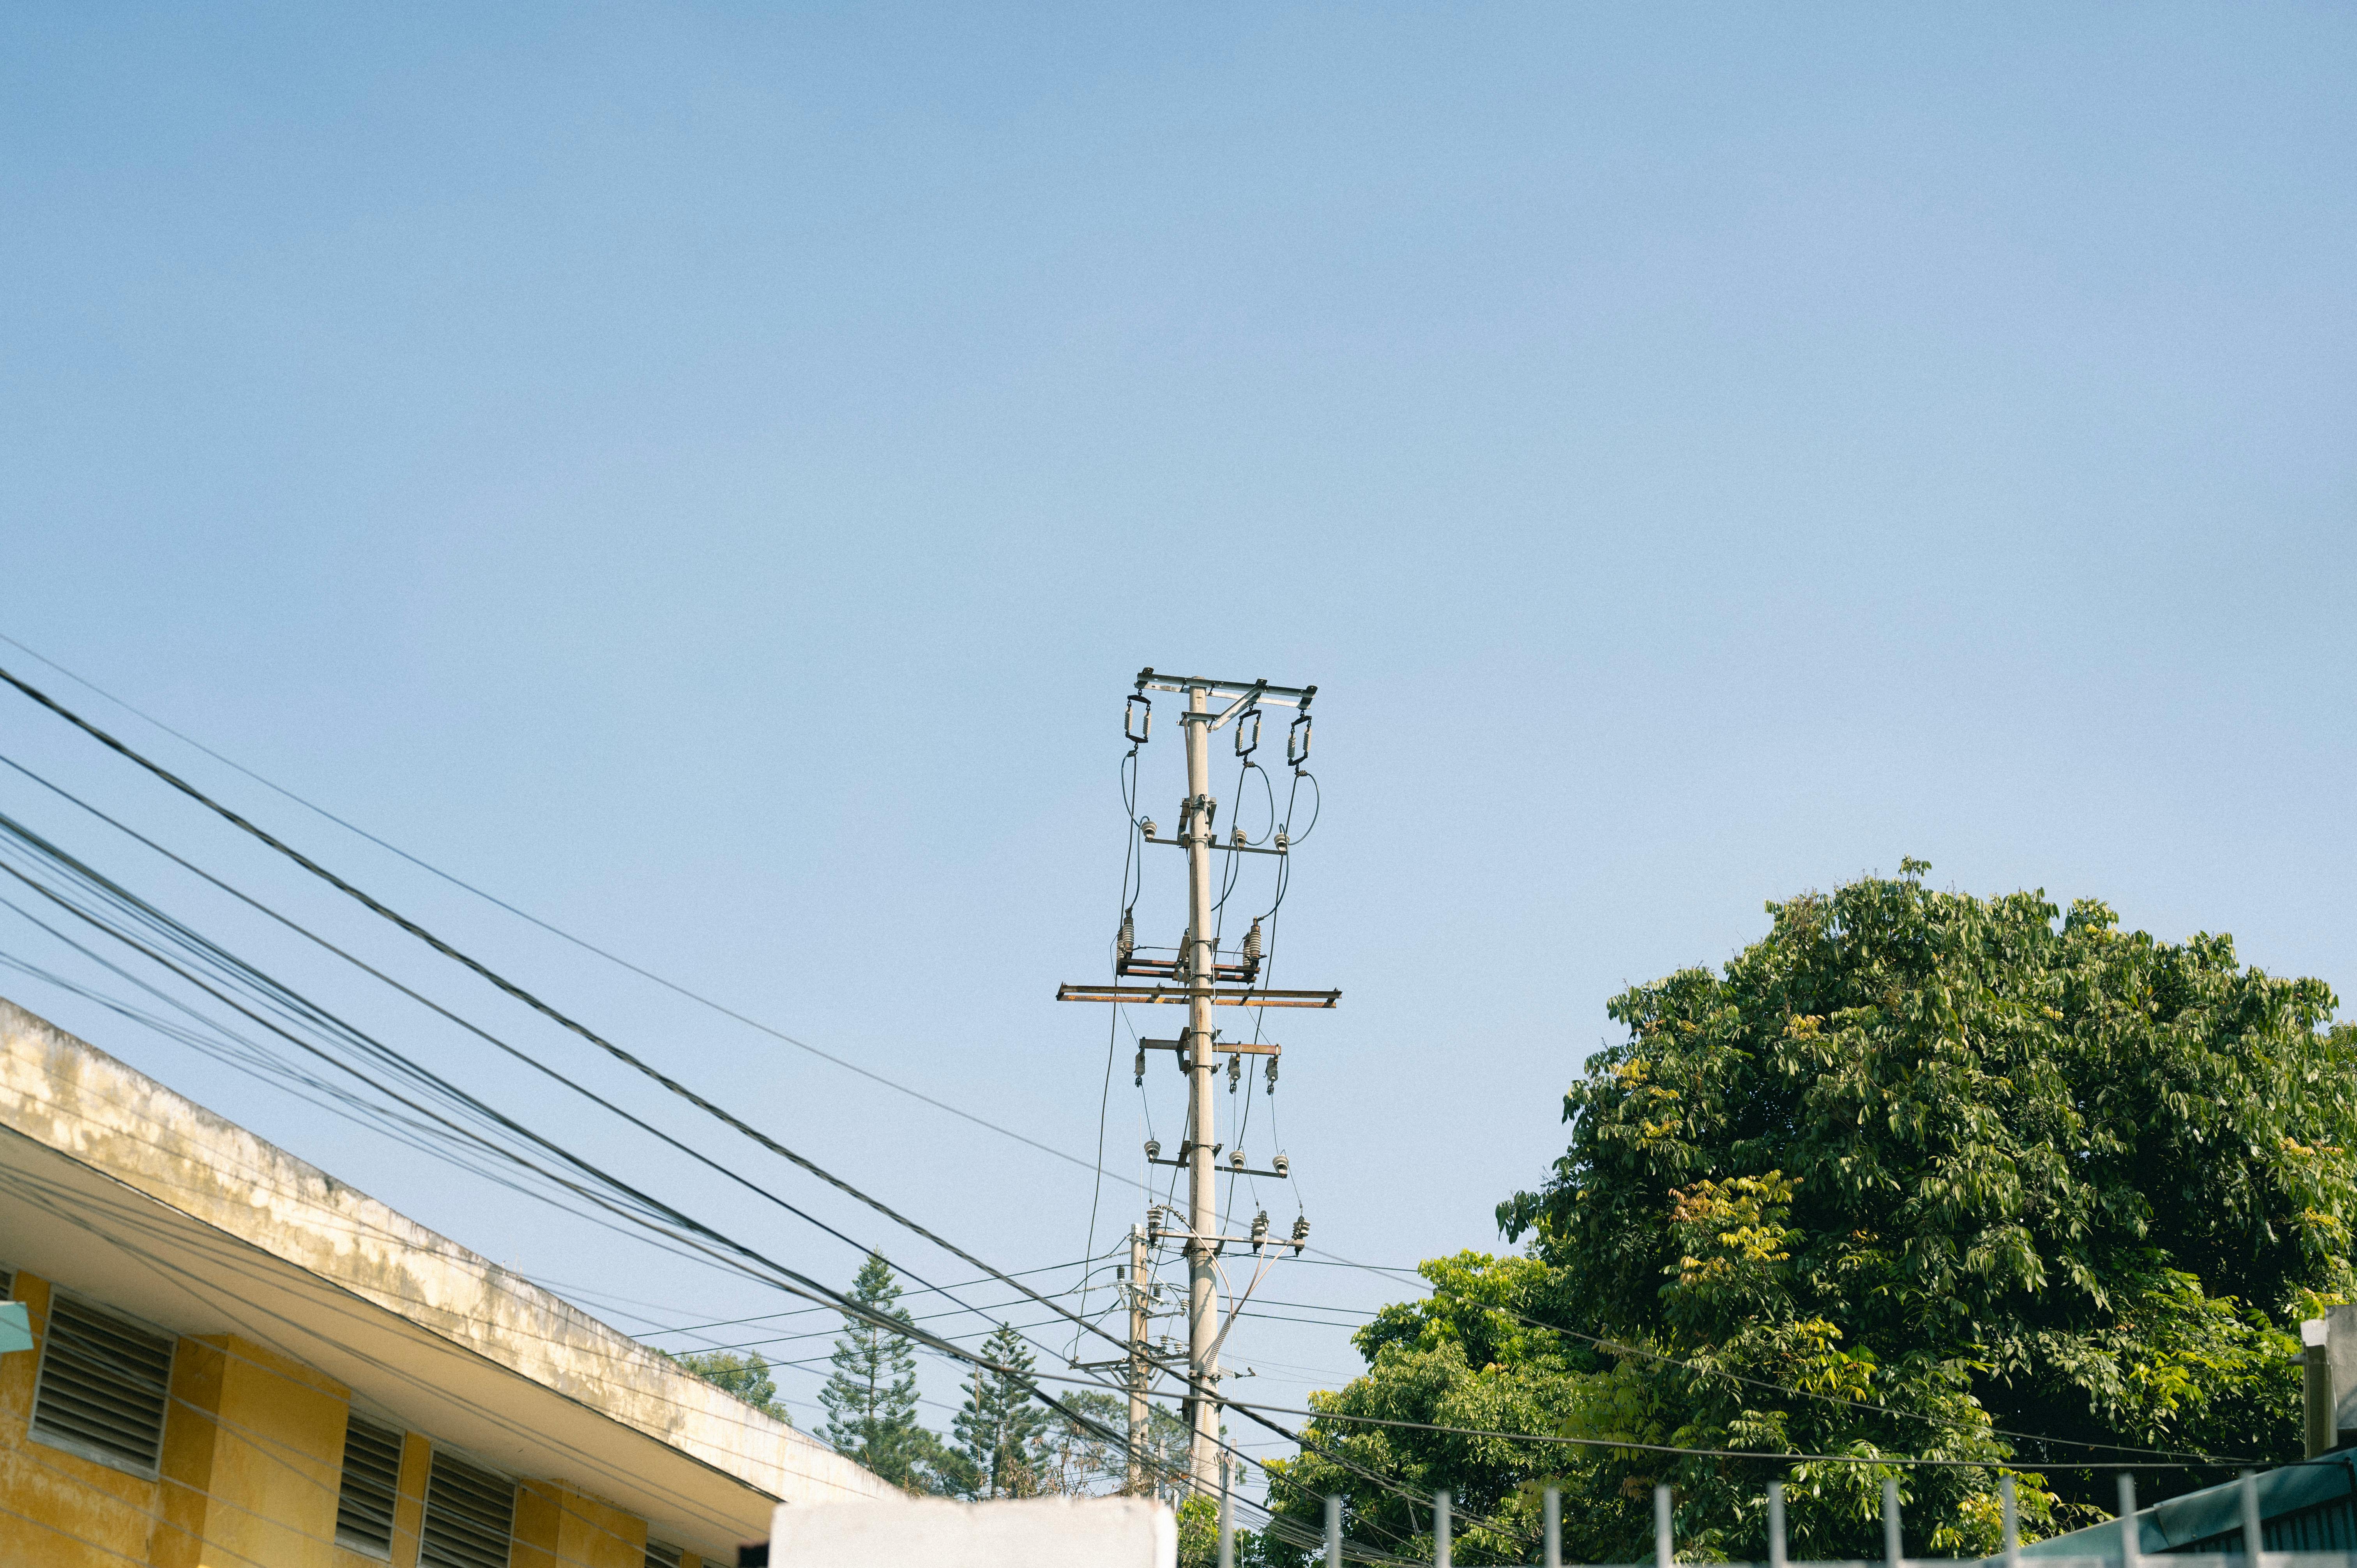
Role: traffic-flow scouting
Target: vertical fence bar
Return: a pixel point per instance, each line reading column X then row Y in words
column 1894, row 1544
column 2012, row 1511
column 1333, row 1532
column 1664, row 1554
column 1441, row 1529
column 1775, row 1524
column 2254, row 1534
column 2129, row 1542
column 1227, row 1518
column 1554, row 1519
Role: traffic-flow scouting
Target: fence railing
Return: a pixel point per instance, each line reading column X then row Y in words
column 2126, row 1551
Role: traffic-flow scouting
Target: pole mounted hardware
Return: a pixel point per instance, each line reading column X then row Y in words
column 1184, row 842
column 1137, row 718
column 1128, row 961
column 1237, row 1047
column 1149, row 679
column 1191, row 993
column 1296, row 743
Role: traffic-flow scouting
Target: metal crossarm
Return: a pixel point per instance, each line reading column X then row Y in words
column 1182, row 994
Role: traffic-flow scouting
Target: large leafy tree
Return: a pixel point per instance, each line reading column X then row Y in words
column 871, row 1395
column 1917, row 1174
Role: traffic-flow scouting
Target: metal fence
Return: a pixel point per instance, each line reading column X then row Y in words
column 2126, row 1550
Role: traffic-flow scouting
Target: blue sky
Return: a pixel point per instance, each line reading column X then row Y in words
column 708, row 474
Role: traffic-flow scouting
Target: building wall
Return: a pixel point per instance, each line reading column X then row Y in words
column 59, row 1509
column 69, row 1096
column 253, row 1449
column 556, row 1525
column 250, row 1469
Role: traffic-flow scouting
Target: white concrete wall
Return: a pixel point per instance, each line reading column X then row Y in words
column 1036, row 1532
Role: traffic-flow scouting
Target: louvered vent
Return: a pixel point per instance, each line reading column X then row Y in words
column 468, row 1515
column 104, row 1383
column 661, row 1556
column 372, row 1482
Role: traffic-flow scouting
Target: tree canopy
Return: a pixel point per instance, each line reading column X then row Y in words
column 1917, row 1174
column 745, row 1375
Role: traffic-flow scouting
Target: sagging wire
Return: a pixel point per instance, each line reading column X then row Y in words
column 1138, row 727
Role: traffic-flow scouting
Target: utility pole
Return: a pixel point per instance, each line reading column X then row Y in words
column 1203, row 1187
column 1141, row 1324
column 1195, row 976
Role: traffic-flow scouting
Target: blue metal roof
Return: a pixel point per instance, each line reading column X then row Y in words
column 2308, row 1507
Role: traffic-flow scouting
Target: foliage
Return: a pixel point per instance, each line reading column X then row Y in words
column 746, row 1376
column 1080, row 1462
column 1465, row 1358
column 1915, row 1173
column 871, row 1395
column 1462, row 1358
column 1199, row 1540
column 1001, row 1430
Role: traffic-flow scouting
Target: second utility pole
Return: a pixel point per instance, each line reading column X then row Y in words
column 1203, row 1189
column 1141, row 1324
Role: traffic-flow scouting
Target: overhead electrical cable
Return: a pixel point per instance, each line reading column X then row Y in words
column 560, row 933
column 518, row 993
column 565, row 1021
column 1620, row 1346
column 637, row 1203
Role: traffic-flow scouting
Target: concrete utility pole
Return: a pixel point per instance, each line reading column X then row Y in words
column 1195, row 977
column 1141, row 1324
column 1203, row 1187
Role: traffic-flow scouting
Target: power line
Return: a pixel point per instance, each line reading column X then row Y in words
column 713, row 1108
column 509, row 987
column 554, row 930
column 1618, row 1347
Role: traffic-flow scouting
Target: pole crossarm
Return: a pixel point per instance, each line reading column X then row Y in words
column 1183, row 995
column 1187, row 841
column 1149, row 679
column 1233, row 1048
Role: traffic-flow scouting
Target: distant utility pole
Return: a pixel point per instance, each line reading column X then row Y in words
column 1141, row 1324
column 1202, row 982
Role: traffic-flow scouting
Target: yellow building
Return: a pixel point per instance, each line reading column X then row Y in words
column 241, row 1362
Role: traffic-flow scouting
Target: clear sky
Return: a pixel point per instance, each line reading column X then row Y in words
column 708, row 474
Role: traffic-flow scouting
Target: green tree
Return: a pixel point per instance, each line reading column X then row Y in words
column 746, row 1376
column 1916, row 1172
column 1002, row 1430
column 871, row 1395
column 1466, row 1357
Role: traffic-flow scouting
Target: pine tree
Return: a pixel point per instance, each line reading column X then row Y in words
column 871, row 1395
column 1002, row 1430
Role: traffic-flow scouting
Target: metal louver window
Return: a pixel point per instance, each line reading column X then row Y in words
column 661, row 1556
column 372, row 1484
column 469, row 1514
column 104, row 1383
